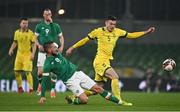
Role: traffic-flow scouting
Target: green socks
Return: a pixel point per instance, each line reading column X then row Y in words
column 108, row 96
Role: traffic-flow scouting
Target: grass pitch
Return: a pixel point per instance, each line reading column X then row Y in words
column 141, row 102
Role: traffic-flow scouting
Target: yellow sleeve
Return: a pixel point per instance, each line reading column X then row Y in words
column 15, row 36
column 33, row 37
column 93, row 34
column 81, row 42
column 135, row 34
column 122, row 33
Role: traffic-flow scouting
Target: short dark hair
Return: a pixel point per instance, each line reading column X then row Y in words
column 24, row 18
column 113, row 18
column 47, row 45
column 47, row 9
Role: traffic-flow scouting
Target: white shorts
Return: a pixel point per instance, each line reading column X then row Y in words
column 41, row 59
column 78, row 82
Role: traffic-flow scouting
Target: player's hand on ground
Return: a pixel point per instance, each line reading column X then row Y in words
column 150, row 30
column 40, row 47
column 42, row 100
column 69, row 51
column 11, row 52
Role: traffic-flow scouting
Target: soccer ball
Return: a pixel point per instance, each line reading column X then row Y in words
column 169, row 65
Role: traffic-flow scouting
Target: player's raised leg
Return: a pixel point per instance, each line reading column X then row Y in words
column 79, row 96
column 111, row 74
column 105, row 94
column 90, row 92
column 81, row 99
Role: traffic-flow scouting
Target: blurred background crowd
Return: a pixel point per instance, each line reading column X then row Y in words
column 138, row 62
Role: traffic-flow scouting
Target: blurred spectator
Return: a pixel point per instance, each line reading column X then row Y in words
column 151, row 82
column 173, row 84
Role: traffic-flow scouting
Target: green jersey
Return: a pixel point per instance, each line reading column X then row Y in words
column 59, row 66
column 48, row 32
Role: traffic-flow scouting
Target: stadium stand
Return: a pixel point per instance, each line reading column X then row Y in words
column 139, row 56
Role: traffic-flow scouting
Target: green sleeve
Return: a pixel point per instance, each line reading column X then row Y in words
column 47, row 66
column 37, row 29
column 58, row 29
column 46, row 71
column 43, row 85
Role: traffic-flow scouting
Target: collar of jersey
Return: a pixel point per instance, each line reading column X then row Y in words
column 22, row 31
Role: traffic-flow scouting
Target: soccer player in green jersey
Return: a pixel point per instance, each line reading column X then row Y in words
column 106, row 38
column 47, row 31
column 75, row 80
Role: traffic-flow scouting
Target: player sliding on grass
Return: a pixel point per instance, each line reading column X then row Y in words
column 106, row 39
column 75, row 80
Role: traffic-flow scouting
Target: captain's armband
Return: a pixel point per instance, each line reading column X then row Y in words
column 45, row 74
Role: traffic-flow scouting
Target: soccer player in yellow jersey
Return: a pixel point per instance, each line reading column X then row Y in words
column 24, row 39
column 106, row 39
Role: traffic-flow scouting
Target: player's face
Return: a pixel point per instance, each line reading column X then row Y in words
column 110, row 25
column 24, row 24
column 54, row 49
column 47, row 15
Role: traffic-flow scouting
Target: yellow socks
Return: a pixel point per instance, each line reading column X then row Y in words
column 89, row 93
column 29, row 80
column 115, row 88
column 18, row 79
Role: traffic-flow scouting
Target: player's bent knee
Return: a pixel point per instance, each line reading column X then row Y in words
column 100, row 89
column 115, row 77
column 97, row 89
column 84, row 100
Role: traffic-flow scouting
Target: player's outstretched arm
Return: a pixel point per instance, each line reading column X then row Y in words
column 76, row 45
column 69, row 51
column 141, row 33
column 13, row 46
column 149, row 30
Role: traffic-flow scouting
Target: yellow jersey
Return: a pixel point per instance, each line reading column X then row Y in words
column 106, row 41
column 24, row 41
